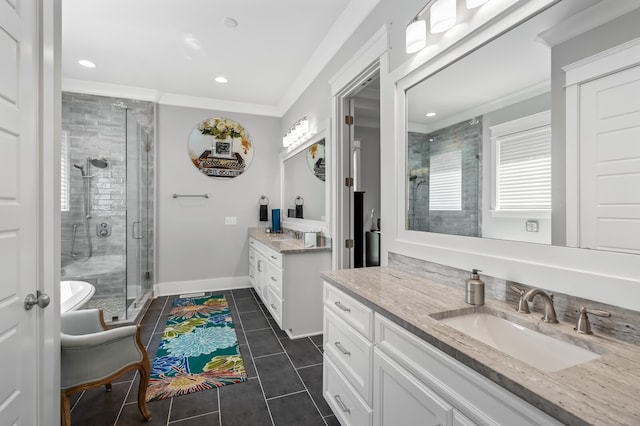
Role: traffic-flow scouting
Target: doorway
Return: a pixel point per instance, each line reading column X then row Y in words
column 358, row 171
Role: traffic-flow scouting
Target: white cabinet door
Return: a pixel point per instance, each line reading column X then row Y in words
column 400, row 399
column 610, row 162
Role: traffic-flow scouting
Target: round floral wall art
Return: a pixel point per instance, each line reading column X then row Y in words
column 220, row 148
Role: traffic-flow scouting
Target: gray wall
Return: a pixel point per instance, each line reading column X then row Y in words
column 370, row 171
column 193, row 241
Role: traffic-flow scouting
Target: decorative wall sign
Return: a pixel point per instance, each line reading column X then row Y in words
column 315, row 159
column 220, row 148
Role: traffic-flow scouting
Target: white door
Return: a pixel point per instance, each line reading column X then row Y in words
column 610, row 162
column 19, row 173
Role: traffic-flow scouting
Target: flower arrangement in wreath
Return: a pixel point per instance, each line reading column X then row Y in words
column 225, row 151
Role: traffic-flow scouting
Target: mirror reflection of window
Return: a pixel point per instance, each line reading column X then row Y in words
column 522, row 150
column 446, row 181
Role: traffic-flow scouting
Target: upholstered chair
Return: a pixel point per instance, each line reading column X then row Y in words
column 93, row 356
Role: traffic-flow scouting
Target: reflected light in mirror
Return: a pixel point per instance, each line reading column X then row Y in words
column 416, row 36
column 443, row 15
column 471, row 4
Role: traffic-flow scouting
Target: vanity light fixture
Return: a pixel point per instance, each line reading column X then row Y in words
column 297, row 133
column 86, row 63
column 416, row 35
column 471, row 4
column 443, row 15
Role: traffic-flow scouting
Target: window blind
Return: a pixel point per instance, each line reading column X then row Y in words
column 523, row 173
column 445, row 181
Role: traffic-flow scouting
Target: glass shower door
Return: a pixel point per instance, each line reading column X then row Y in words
column 137, row 167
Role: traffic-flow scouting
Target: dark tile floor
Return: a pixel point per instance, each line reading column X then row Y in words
column 284, row 386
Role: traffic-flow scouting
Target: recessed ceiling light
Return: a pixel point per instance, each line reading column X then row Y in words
column 430, row 114
column 86, row 63
column 230, row 22
column 221, row 79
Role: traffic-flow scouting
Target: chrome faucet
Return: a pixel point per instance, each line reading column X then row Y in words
column 522, row 305
column 549, row 311
column 584, row 326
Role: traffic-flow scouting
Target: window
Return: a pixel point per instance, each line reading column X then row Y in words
column 522, row 164
column 445, row 184
column 64, row 173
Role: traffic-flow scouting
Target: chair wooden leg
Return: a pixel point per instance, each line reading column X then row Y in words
column 144, row 370
column 65, row 409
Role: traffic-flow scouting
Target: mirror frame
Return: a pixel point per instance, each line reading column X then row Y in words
column 307, row 224
column 552, row 267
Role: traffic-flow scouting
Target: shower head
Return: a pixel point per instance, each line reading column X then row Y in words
column 100, row 163
column 79, row 167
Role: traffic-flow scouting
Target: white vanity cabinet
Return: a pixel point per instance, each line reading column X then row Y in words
column 290, row 286
column 404, row 380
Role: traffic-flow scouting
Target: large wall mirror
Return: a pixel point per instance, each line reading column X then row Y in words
column 303, row 183
column 479, row 137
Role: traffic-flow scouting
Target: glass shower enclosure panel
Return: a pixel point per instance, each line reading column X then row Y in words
column 138, row 213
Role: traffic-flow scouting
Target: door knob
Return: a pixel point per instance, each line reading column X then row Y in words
column 42, row 300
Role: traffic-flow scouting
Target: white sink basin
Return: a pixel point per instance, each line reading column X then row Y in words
column 536, row 349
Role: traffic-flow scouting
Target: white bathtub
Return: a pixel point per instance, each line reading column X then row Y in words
column 74, row 294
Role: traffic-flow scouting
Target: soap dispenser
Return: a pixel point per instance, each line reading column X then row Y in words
column 475, row 289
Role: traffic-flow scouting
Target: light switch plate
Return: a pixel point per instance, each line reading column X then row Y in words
column 230, row 220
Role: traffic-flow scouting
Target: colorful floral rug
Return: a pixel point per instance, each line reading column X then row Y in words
column 198, row 351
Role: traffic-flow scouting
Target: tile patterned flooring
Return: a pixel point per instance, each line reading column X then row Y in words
column 284, row 386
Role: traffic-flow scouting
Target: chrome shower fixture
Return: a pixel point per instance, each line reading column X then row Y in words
column 99, row 163
column 80, row 167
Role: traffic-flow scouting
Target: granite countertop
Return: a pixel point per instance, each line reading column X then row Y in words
column 603, row 391
column 286, row 243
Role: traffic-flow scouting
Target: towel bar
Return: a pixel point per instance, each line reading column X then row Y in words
column 190, row 195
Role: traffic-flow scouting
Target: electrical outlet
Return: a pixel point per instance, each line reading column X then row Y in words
column 532, row 226
column 230, row 220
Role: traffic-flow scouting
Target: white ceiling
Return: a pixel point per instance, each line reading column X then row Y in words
column 172, row 50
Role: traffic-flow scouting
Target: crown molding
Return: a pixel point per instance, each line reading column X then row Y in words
column 174, row 99
column 588, row 19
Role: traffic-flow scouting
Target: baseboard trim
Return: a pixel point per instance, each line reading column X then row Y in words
column 213, row 284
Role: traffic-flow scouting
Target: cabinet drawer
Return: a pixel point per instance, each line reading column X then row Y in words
column 477, row 397
column 274, row 257
column 253, row 257
column 350, row 310
column 252, row 276
column 348, row 407
column 274, row 279
column 274, row 304
column 350, row 351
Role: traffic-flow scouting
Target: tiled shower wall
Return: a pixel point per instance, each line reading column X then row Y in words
column 467, row 137
column 93, row 127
